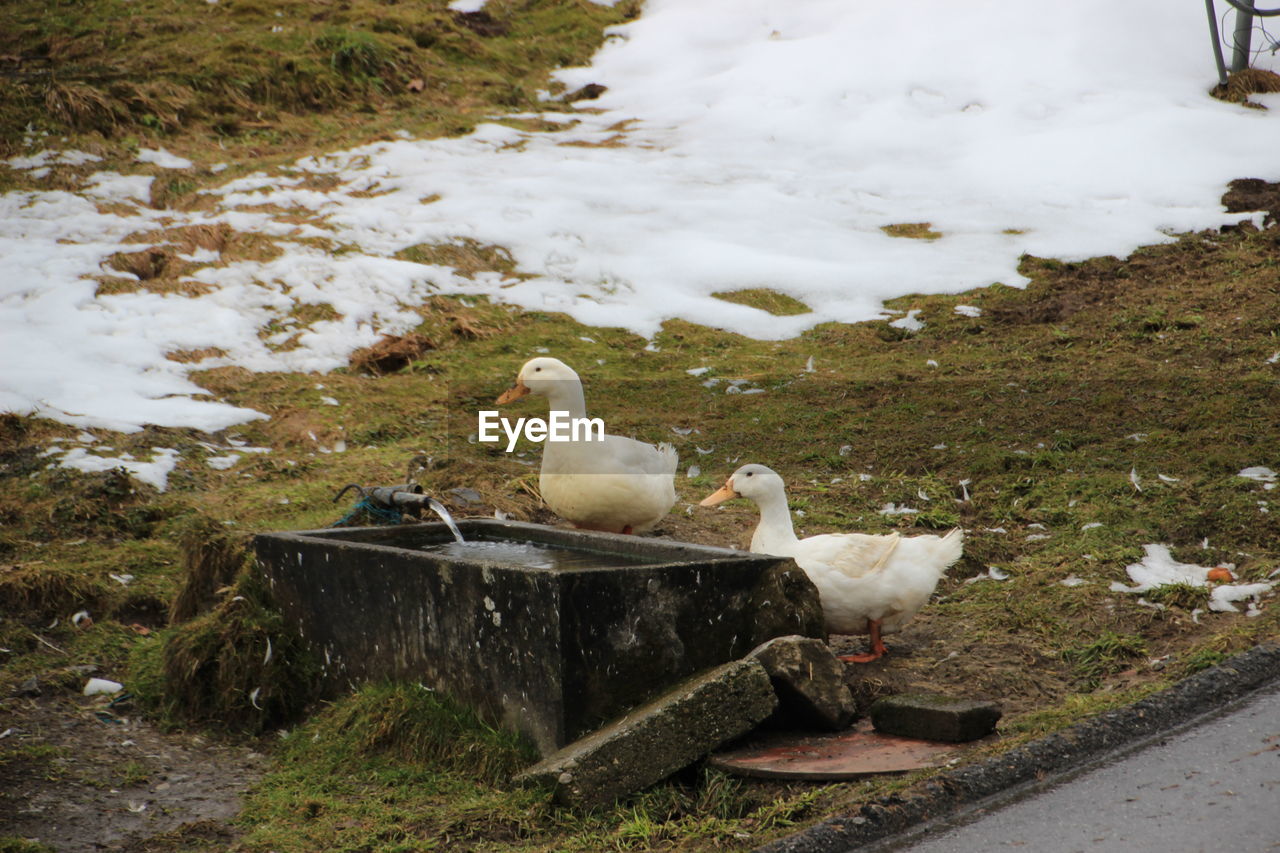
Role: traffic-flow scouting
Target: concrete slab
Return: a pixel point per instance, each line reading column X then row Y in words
column 809, row 681
column 658, row 738
column 931, row 716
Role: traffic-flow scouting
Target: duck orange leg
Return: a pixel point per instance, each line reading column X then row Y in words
column 878, row 649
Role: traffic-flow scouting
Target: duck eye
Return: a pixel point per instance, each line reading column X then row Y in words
column 537, row 369
column 749, row 473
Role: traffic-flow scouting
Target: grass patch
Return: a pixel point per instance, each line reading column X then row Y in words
column 1183, row 595
column 1107, row 654
column 1071, row 710
column 23, row 845
column 1248, row 81
column 247, row 71
column 771, row 301
column 912, row 230
column 47, row 591
column 396, row 767
column 236, row 667
column 464, row 256
column 407, row 723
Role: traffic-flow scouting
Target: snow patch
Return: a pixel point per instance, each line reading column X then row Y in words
column 154, row 472
column 163, row 159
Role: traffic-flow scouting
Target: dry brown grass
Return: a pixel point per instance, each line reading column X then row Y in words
column 156, row 270
column 146, row 265
column 293, row 427
column 83, row 107
column 912, row 230
column 211, row 557
column 464, row 256
column 1250, row 81
column 777, row 304
column 615, row 141
column 46, row 589
column 194, row 356
column 392, row 353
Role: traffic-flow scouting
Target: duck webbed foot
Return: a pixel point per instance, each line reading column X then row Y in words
column 878, row 649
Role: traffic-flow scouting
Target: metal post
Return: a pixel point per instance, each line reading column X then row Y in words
column 1243, row 34
column 1217, row 42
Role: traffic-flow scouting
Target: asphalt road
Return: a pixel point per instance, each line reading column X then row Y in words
column 1212, row 787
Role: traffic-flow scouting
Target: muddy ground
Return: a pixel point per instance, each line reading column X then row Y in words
column 106, row 779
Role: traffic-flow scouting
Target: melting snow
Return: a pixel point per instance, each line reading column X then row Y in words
column 909, row 323
column 163, row 159
column 154, row 472
column 764, row 142
column 112, row 186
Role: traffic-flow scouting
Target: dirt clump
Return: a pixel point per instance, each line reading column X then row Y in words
column 1248, row 194
column 392, row 353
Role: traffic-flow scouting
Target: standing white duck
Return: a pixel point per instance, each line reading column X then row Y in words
column 616, row 484
column 868, row 584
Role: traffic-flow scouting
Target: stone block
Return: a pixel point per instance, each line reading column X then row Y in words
column 660, row 737
column 931, row 716
column 548, row 651
column 809, row 682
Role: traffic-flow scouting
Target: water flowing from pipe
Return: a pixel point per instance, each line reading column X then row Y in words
column 439, row 509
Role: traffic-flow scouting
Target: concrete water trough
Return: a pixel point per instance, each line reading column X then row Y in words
column 545, row 631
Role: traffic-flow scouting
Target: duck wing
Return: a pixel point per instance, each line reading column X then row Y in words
column 614, row 484
column 614, row 455
column 853, row 555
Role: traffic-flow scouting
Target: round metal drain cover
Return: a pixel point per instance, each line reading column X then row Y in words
column 856, row 752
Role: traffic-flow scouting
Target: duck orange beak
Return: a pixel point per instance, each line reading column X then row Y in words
column 724, row 493
column 515, row 392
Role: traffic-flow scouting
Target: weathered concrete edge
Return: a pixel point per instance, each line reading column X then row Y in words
column 951, row 791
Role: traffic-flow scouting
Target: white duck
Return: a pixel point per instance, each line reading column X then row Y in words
column 868, row 584
column 616, row 484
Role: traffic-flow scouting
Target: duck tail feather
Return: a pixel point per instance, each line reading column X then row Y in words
column 953, row 543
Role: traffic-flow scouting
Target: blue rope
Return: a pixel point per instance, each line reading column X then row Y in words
column 379, row 515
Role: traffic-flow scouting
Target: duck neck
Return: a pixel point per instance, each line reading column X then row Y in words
column 567, row 397
column 775, row 533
